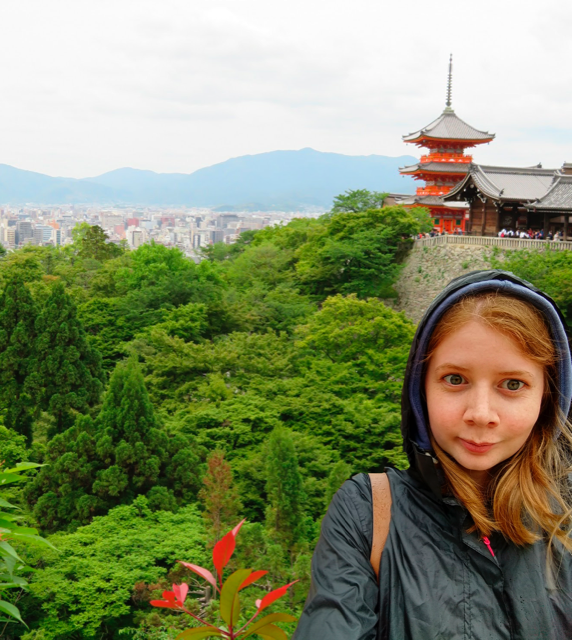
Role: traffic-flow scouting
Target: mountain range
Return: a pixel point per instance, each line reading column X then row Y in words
column 277, row 180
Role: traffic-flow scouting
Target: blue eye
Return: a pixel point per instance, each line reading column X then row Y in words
column 512, row 385
column 454, row 378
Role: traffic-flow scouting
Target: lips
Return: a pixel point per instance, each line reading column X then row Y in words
column 476, row 447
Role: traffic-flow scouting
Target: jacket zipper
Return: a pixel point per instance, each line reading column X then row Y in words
column 488, row 543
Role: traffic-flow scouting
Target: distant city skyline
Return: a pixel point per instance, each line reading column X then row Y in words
column 190, row 229
column 172, row 86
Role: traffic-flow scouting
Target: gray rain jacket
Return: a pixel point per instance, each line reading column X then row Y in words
column 437, row 582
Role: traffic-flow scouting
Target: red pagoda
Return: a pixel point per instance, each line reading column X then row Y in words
column 445, row 164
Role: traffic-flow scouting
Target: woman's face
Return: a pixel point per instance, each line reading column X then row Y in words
column 483, row 397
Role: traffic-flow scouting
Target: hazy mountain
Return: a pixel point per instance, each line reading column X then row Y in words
column 274, row 180
column 20, row 186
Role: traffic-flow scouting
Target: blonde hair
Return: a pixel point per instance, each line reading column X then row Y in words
column 528, row 496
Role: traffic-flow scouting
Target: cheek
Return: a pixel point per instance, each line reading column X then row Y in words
column 521, row 421
column 444, row 413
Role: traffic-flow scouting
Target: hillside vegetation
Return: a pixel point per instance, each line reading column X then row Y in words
column 168, row 400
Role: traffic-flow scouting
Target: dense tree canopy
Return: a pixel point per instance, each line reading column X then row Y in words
column 92, row 242
column 358, row 200
column 284, row 486
column 357, row 252
column 87, row 586
column 550, row 271
column 124, row 453
column 17, row 354
column 167, row 400
column 67, row 376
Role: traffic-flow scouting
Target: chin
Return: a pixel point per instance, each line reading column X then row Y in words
column 475, row 463
column 476, row 466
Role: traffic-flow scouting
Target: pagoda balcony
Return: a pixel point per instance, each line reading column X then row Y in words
column 446, row 157
column 430, row 177
column 440, row 190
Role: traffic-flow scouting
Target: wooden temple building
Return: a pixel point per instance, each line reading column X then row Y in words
column 517, row 198
column 444, row 166
column 482, row 199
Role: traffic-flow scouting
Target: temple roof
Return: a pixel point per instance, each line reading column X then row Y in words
column 430, row 201
column 507, row 183
column 558, row 196
column 437, row 167
column 449, row 126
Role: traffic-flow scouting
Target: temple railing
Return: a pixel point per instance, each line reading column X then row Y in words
column 431, row 190
column 446, row 157
column 502, row 243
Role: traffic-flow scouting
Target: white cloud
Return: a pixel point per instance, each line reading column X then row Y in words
column 172, row 85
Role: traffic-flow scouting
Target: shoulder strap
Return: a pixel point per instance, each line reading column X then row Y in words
column 381, row 495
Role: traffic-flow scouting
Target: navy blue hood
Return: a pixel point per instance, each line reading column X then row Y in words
column 414, row 424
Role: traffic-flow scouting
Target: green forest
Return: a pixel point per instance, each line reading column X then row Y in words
column 148, row 404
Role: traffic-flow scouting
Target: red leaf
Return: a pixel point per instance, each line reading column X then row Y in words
column 164, row 603
column 169, row 602
column 180, row 591
column 253, row 577
column 222, row 553
column 204, row 573
column 271, row 597
column 237, row 528
column 224, row 549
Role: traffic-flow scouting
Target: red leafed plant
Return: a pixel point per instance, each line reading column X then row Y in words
column 229, row 599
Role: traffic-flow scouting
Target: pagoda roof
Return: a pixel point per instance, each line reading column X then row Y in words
column 437, row 167
column 430, row 201
column 524, row 184
column 449, row 126
column 558, row 197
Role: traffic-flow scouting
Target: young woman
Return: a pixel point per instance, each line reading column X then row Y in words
column 479, row 542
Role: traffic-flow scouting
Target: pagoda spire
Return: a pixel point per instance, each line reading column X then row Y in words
column 445, row 164
column 449, row 84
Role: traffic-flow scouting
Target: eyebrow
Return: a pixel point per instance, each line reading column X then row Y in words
column 457, row 367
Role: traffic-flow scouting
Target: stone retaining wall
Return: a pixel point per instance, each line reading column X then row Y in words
column 428, row 269
column 433, row 262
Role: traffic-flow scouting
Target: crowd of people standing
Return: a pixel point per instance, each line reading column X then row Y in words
column 531, row 234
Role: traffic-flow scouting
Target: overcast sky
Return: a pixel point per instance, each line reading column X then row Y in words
column 87, row 86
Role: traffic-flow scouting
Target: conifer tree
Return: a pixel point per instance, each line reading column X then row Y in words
column 68, row 375
column 219, row 496
column 123, row 453
column 284, row 514
column 137, row 456
column 17, row 335
column 128, row 440
column 94, row 243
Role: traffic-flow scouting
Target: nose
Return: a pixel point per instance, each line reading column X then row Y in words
column 480, row 410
